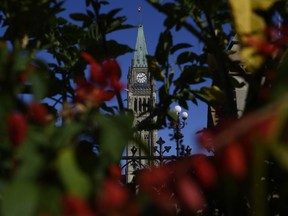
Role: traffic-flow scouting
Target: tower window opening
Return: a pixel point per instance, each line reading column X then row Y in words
column 140, row 105
column 135, row 105
column 144, row 105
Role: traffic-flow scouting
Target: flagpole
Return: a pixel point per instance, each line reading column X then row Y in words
column 140, row 14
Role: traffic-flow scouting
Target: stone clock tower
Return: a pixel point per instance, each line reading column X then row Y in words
column 141, row 97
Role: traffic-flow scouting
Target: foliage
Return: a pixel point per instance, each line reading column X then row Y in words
column 248, row 170
column 46, row 148
column 47, row 165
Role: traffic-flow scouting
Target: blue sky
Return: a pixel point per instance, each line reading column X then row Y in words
column 153, row 25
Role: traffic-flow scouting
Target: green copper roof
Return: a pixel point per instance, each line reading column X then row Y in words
column 140, row 49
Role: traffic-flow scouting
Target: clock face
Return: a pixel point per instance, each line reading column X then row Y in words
column 141, row 77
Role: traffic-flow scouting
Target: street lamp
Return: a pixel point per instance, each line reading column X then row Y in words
column 159, row 154
column 177, row 125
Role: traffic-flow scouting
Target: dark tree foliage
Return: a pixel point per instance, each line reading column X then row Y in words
column 47, row 166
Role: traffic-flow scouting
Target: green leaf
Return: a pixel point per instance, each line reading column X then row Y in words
column 53, row 194
column 179, row 46
column 116, row 131
column 116, row 49
column 163, row 48
column 116, row 25
column 20, row 198
column 155, row 69
column 79, row 17
column 104, row 2
column 186, row 57
column 63, row 135
column 71, row 34
column 183, row 103
column 75, row 181
column 172, row 116
column 32, row 163
column 164, row 96
column 190, row 75
column 113, row 12
column 95, row 48
column 168, row 7
column 210, row 94
column 39, row 85
column 20, row 62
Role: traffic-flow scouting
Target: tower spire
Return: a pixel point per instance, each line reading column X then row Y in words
column 141, row 98
column 140, row 49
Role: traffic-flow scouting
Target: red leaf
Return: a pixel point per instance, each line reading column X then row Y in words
column 76, row 206
column 111, row 69
column 263, row 46
column 97, row 76
column 267, row 127
column 204, row 170
column 190, row 195
column 234, row 160
column 155, row 177
column 206, row 138
column 116, row 85
column 88, row 58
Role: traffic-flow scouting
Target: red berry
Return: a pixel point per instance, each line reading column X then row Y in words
column 77, row 206
column 38, row 113
column 17, row 128
column 113, row 195
column 114, row 172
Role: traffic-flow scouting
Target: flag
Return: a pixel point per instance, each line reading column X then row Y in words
column 139, row 9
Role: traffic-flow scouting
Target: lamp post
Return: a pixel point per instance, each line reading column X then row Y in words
column 159, row 154
column 177, row 125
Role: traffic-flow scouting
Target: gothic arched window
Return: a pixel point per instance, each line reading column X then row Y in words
column 144, row 105
column 135, row 104
column 140, row 105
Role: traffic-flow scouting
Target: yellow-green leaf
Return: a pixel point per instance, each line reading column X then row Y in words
column 242, row 13
column 154, row 69
column 20, row 198
column 75, row 180
column 262, row 4
column 252, row 59
column 247, row 22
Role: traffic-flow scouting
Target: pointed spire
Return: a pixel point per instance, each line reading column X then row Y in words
column 140, row 49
